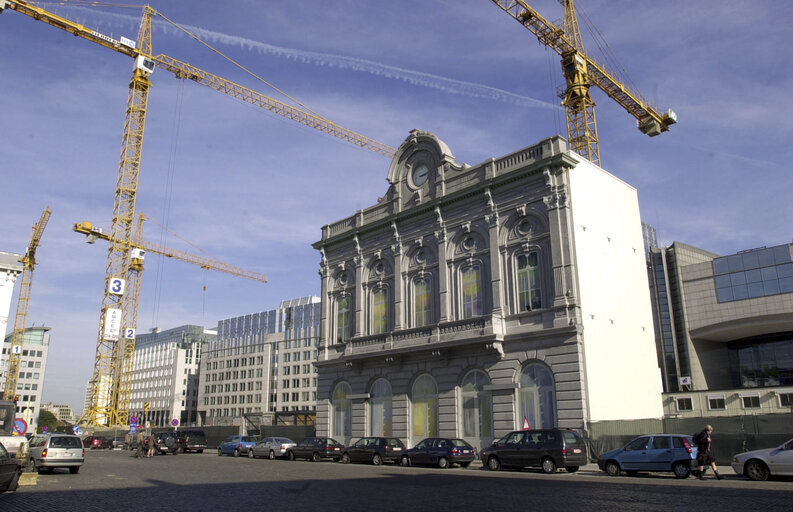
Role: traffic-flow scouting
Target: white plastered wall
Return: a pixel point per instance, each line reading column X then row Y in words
column 621, row 368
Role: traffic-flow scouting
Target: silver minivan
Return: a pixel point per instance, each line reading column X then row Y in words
column 50, row 451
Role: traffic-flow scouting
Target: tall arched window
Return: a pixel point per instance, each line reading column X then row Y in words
column 380, row 409
column 425, row 408
column 342, row 411
column 473, row 304
column 422, row 291
column 529, row 281
column 380, row 311
column 343, row 318
column 537, row 397
column 477, row 406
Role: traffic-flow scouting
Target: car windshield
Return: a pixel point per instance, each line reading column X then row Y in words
column 460, row 443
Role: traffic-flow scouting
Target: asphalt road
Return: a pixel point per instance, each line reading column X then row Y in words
column 115, row 481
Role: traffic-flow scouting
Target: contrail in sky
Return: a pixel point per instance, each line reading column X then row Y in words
column 418, row 78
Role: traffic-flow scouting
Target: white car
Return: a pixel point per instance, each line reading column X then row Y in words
column 760, row 464
column 271, row 447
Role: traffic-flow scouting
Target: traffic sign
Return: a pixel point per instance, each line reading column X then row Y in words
column 20, row 427
column 175, row 422
column 133, row 420
column 146, row 406
column 77, row 430
column 132, row 428
column 526, row 423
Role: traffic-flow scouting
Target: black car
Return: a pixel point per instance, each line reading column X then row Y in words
column 373, row 449
column 10, row 469
column 548, row 449
column 315, row 449
column 439, row 451
column 165, row 443
column 192, row 441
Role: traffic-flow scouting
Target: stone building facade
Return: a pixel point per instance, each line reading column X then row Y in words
column 473, row 300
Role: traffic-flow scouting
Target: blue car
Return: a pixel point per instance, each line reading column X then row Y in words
column 656, row 452
column 236, row 445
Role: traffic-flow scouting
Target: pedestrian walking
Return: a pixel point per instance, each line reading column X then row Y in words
column 140, row 439
column 705, row 454
column 152, row 446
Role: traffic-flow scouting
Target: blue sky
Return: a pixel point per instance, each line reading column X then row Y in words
column 253, row 189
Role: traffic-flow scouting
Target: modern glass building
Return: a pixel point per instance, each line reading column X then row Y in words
column 724, row 328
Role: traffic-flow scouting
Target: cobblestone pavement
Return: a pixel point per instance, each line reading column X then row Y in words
column 116, row 481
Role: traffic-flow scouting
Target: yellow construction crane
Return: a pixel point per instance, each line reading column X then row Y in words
column 581, row 72
column 138, row 249
column 110, row 380
column 28, row 263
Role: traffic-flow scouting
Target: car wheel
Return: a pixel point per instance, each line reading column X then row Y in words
column 465, row 464
column 493, row 463
column 345, row 458
column 443, row 462
column 681, row 470
column 612, row 468
column 272, row 455
column 74, row 470
column 290, row 455
column 757, row 470
column 548, row 465
column 405, row 461
column 220, row 452
column 251, row 455
column 236, row 452
column 571, row 469
column 377, row 460
column 315, row 457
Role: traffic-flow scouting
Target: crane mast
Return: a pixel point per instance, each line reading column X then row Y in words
column 582, row 72
column 18, row 337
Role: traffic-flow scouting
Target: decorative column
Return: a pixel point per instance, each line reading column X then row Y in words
column 443, row 269
column 399, row 285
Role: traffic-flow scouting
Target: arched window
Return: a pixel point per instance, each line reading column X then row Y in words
column 537, row 397
column 380, row 409
column 380, row 311
column 477, row 406
column 473, row 305
column 529, row 281
column 422, row 292
column 342, row 411
column 425, row 408
column 343, row 319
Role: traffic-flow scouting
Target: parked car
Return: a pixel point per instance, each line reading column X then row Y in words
column 271, row 447
column 97, row 442
column 192, row 441
column 762, row 464
column 315, row 449
column 439, row 451
column 49, row 451
column 373, row 449
column 165, row 443
column 236, row 445
column 10, row 469
column 657, row 452
column 548, row 449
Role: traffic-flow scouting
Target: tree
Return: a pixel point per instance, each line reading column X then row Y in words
column 47, row 419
